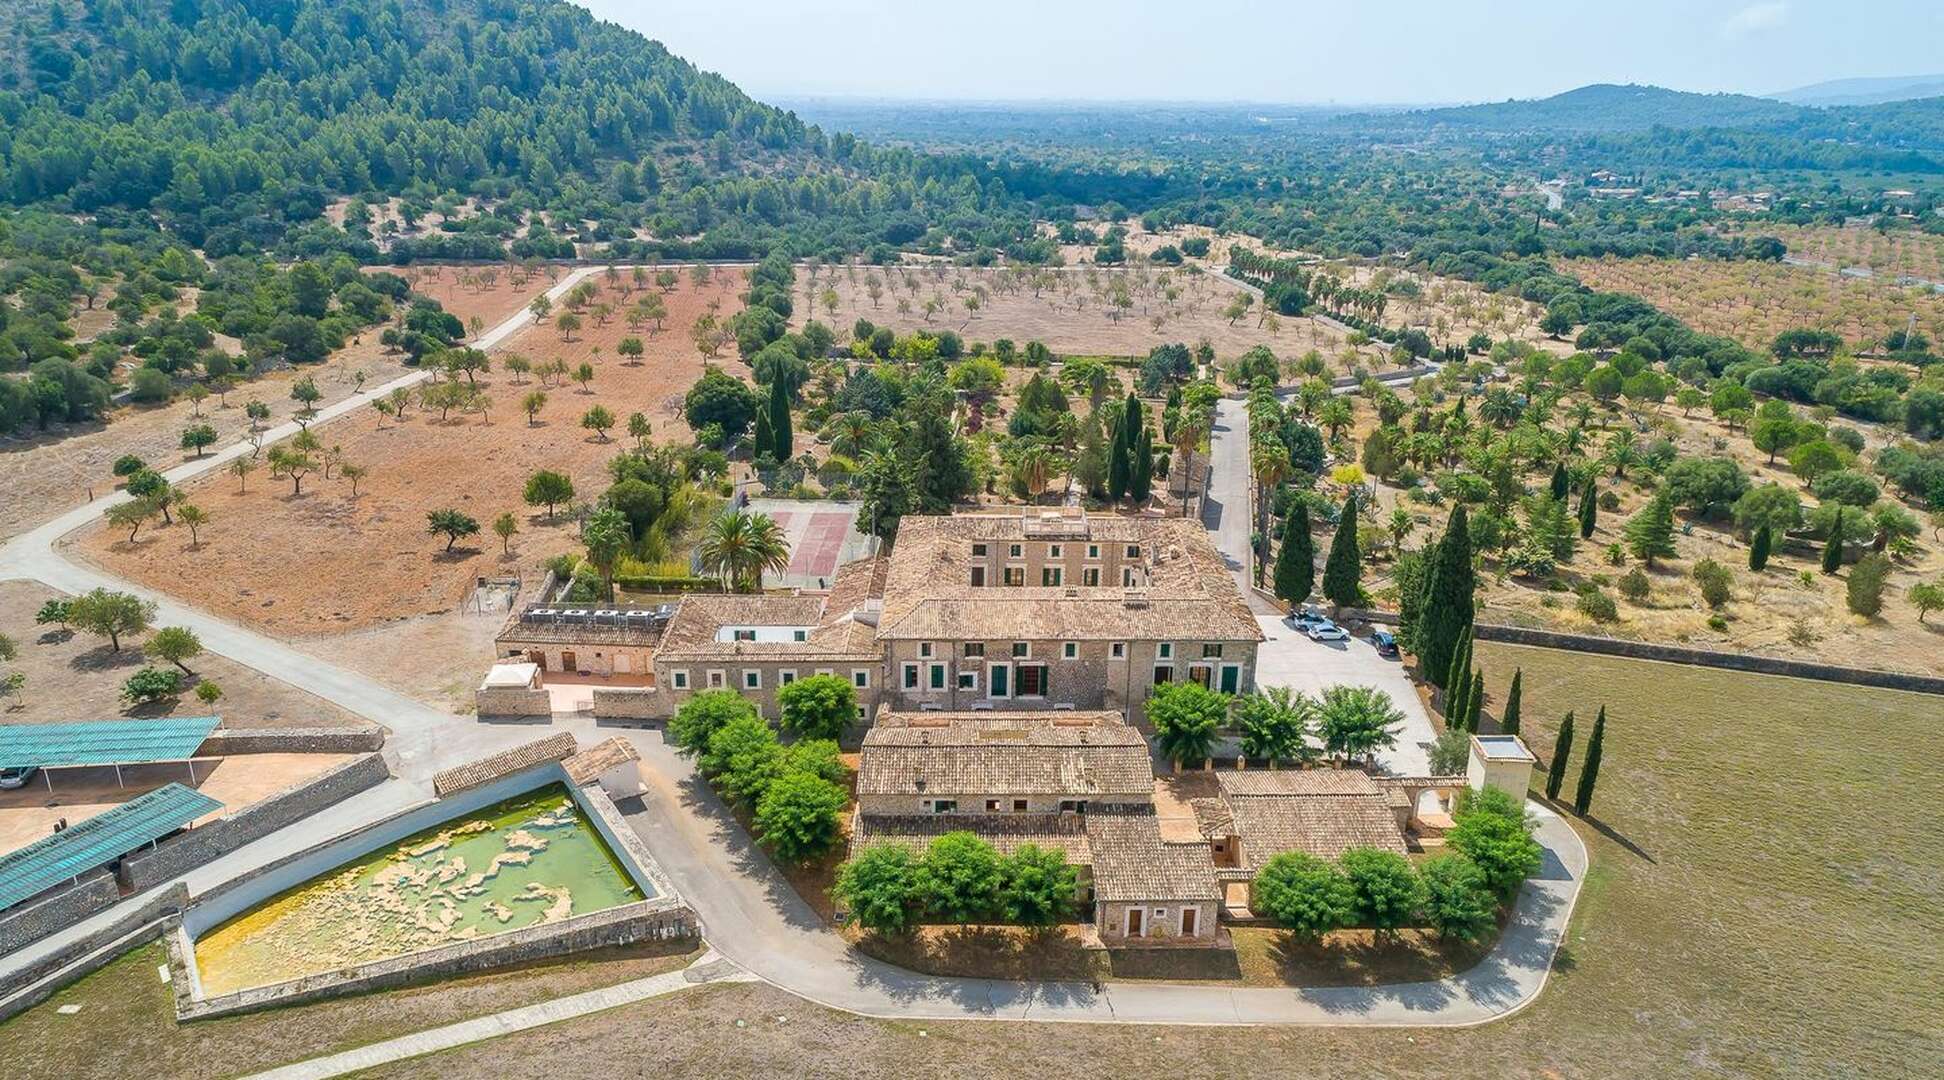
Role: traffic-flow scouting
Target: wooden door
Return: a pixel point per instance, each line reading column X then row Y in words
column 567, row 662
column 537, row 656
column 1188, row 916
column 1134, row 925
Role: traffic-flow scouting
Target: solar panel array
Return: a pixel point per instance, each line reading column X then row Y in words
column 103, row 742
column 51, row 860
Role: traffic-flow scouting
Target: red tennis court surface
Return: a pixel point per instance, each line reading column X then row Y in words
column 822, row 535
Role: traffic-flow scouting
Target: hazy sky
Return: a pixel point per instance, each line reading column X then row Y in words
column 1353, row 51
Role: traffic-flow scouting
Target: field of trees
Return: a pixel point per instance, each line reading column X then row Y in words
column 1753, row 301
column 1887, row 253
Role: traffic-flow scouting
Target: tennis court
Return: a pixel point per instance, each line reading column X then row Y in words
column 822, row 535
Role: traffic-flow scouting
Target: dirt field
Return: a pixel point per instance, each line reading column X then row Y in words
column 368, row 559
column 488, row 293
column 76, row 677
column 1070, row 309
column 125, row 1007
column 30, row 813
column 1754, row 301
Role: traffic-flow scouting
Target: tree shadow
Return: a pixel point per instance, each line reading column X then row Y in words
column 1614, row 835
column 103, row 658
column 55, row 637
column 460, row 553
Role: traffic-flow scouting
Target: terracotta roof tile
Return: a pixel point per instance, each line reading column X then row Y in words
column 1006, row 832
column 1005, row 755
column 589, row 764
column 1132, row 862
column 505, row 763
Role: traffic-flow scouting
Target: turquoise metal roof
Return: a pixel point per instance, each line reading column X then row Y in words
column 103, row 742
column 101, row 839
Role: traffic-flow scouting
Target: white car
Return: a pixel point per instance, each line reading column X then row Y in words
column 15, row 778
column 1327, row 631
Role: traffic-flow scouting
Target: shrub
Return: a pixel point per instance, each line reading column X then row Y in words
column 1491, row 829
column 800, row 815
column 208, row 692
column 151, row 683
column 1387, row 891
column 1717, row 582
column 1598, row 606
column 1634, row 585
column 1450, row 753
column 1306, row 895
column 1867, row 579
column 817, row 707
column 128, row 465
column 1458, row 900
column 701, row 716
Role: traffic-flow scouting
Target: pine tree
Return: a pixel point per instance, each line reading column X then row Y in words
column 1833, row 550
column 1590, row 769
column 1141, row 483
column 1562, row 749
column 782, row 438
column 1475, row 701
column 1758, row 551
column 1561, row 483
column 1509, row 716
column 1344, row 567
column 1589, row 511
column 1296, row 559
column 1650, row 532
column 1447, row 606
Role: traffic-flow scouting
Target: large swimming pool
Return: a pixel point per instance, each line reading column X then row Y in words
column 531, row 859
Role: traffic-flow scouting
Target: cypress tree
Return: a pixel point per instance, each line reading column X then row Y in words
column 782, row 438
column 1344, row 567
column 1589, row 511
column 1458, row 682
column 1758, row 551
column 1562, row 749
column 1475, row 701
column 1296, row 559
column 1447, row 605
column 1142, row 479
column 760, row 442
column 1590, row 769
column 1561, row 483
column 1120, row 459
column 1509, row 717
column 1833, row 550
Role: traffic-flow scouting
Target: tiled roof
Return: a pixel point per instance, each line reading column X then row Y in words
column 518, row 632
column 1132, row 862
column 1005, row 832
column 1005, row 756
column 1189, row 593
column 1212, row 817
column 505, row 763
column 1322, row 812
column 1297, row 782
column 589, row 764
column 835, row 632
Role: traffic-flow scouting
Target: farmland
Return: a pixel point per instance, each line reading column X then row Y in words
column 476, row 462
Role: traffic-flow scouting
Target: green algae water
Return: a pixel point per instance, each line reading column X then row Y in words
column 532, row 859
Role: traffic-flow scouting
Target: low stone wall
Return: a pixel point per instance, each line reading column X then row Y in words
column 191, row 849
column 513, row 701
column 90, row 952
column 1681, row 654
column 35, row 919
column 362, row 739
column 628, row 703
column 658, row 919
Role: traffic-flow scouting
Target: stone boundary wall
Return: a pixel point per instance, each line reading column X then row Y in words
column 362, row 739
column 185, row 851
column 618, row 703
column 93, row 951
column 658, row 919
column 1681, row 654
column 513, row 701
column 57, row 910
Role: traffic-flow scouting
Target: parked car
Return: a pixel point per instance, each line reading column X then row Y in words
column 1309, row 615
column 1327, row 631
column 1386, row 643
column 13, row 778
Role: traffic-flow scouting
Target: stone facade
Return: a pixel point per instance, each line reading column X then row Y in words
column 1159, row 922
column 362, row 739
column 91, row 952
column 677, row 681
column 197, row 846
column 57, row 909
column 587, row 658
column 629, row 703
column 512, row 701
column 1116, row 675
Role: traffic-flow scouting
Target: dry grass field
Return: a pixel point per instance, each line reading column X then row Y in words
column 1073, row 310
column 367, row 559
column 1754, row 301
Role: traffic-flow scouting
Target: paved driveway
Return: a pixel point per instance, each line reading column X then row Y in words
column 1288, row 658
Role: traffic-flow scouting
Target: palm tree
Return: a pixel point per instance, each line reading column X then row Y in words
column 740, row 546
column 850, row 432
column 1270, row 460
column 1189, row 431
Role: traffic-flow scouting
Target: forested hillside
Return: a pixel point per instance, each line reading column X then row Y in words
column 236, row 124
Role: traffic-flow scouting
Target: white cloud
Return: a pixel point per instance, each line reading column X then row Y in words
column 1754, row 19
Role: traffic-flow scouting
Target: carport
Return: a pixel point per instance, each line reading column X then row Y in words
column 90, row 744
column 98, row 841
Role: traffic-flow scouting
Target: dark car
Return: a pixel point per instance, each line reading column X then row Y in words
column 1386, row 643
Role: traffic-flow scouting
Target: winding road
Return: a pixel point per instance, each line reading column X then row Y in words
column 752, row 916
